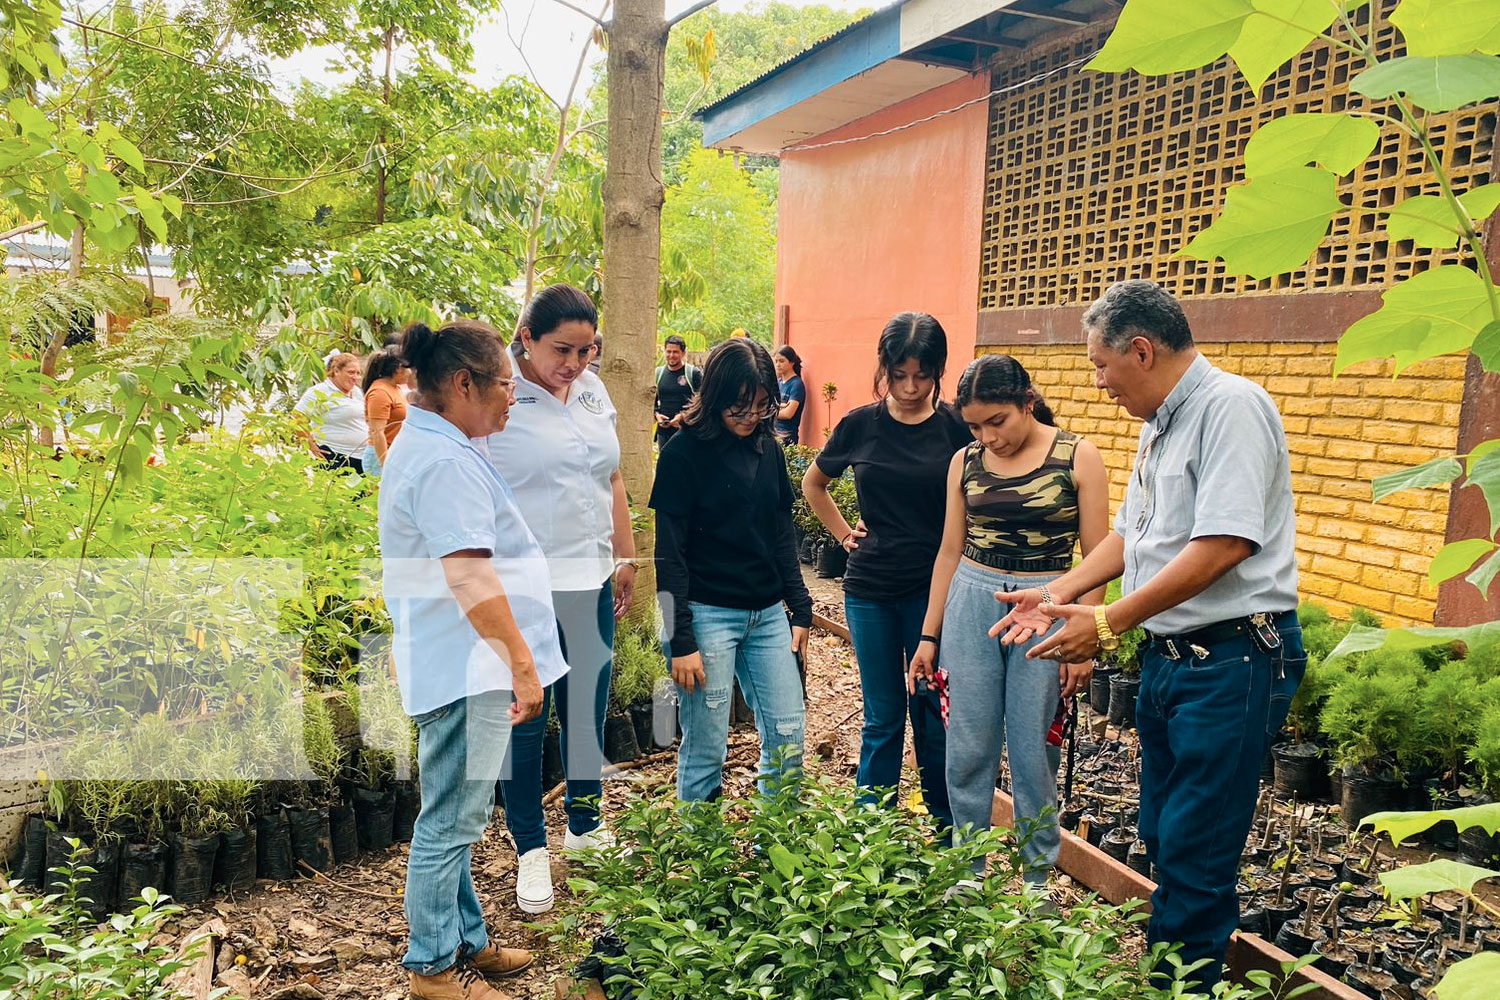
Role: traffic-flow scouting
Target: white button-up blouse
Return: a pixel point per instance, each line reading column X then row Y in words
column 558, row 458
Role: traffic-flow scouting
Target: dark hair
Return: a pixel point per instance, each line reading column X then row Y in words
column 912, row 335
column 555, row 305
column 1138, row 308
column 734, row 371
column 461, row 344
column 384, row 363
column 675, row 341
column 785, row 350
column 999, row 378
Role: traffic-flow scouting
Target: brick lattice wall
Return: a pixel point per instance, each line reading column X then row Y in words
column 1341, row 432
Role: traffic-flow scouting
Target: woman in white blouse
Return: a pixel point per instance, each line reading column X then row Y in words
column 335, row 413
column 561, row 458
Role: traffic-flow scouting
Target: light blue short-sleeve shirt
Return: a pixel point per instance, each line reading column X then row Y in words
column 439, row 494
column 1213, row 461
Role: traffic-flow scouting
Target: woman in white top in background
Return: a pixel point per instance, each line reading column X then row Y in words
column 561, row 458
column 335, row 413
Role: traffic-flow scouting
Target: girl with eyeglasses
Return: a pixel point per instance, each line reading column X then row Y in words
column 727, row 560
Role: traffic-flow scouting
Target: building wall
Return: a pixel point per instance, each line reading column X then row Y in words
column 870, row 229
column 1341, row 433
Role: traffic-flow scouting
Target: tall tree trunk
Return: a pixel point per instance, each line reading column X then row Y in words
column 633, row 197
column 385, row 98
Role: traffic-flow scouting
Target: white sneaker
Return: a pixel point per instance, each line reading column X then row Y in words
column 534, row 882
column 597, row 839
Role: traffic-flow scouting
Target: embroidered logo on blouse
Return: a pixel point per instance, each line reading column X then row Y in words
column 590, row 402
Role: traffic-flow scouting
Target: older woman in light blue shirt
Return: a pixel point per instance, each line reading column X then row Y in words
column 475, row 639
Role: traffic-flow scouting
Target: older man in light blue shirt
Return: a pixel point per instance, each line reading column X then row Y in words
column 1205, row 543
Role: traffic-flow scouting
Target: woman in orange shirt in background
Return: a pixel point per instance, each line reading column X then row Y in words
column 386, row 375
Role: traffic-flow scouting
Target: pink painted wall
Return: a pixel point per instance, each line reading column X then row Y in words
column 874, row 228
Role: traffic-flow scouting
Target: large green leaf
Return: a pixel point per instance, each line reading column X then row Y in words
column 1417, row 477
column 1437, row 83
column 1436, row 312
column 1487, row 347
column 1484, row 574
column 1278, row 30
column 1403, row 825
column 1485, row 474
column 1338, row 142
column 1271, row 224
column 1472, row 979
column 1449, row 27
column 1168, row 36
column 1363, row 639
column 1428, row 220
column 1456, row 558
column 1434, row 876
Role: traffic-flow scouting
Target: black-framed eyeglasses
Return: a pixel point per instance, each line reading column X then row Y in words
column 747, row 411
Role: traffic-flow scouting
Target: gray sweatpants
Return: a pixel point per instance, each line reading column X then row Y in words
column 995, row 692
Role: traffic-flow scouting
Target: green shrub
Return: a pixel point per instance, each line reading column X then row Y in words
column 1368, row 719
column 1310, row 614
column 51, row 949
column 806, row 895
column 638, row 665
column 1318, row 683
column 1448, row 715
column 1485, row 753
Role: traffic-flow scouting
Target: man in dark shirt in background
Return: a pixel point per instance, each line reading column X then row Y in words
column 676, row 382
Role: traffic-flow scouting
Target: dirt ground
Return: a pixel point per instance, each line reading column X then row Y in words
column 343, row 935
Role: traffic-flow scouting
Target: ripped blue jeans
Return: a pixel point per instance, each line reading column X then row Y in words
column 756, row 647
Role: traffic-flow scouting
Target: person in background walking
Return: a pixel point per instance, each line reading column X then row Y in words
column 596, row 357
column 1206, row 542
column 1020, row 497
column 791, row 395
column 676, row 382
column 335, row 413
column 561, row 456
column 726, row 556
column 475, row 641
column 386, row 377
column 899, row 447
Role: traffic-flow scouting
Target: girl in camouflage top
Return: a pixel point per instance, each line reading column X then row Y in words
column 1019, row 499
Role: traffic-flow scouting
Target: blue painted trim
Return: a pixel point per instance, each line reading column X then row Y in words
column 870, row 43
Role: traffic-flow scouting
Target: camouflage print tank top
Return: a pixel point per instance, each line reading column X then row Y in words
column 1023, row 524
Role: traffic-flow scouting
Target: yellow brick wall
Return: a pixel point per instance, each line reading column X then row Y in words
column 1341, row 432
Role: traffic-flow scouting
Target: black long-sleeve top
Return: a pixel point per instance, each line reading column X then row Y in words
column 724, row 530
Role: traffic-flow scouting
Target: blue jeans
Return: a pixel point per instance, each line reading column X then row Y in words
column 997, row 696
column 460, row 749
column 586, row 624
column 1203, row 725
column 885, row 636
column 756, row 647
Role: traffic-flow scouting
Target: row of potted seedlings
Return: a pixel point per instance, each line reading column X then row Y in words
column 139, row 820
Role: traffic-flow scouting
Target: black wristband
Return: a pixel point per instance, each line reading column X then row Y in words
column 930, row 638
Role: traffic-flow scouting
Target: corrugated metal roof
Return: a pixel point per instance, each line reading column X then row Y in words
column 815, row 46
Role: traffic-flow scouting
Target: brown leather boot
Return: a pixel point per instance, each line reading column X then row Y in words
column 497, row 961
column 460, row 982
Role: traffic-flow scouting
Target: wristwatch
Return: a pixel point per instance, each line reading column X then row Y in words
column 1108, row 641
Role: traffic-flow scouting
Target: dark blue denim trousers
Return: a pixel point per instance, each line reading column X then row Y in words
column 586, row 623
column 1205, row 724
column 885, row 636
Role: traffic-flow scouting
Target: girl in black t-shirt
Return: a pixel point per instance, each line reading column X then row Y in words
column 899, row 447
column 726, row 557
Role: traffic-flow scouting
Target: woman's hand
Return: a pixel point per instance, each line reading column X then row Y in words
column 799, row 640
column 923, row 664
column 624, row 589
column 687, row 672
column 851, row 540
column 1074, row 677
column 527, row 689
